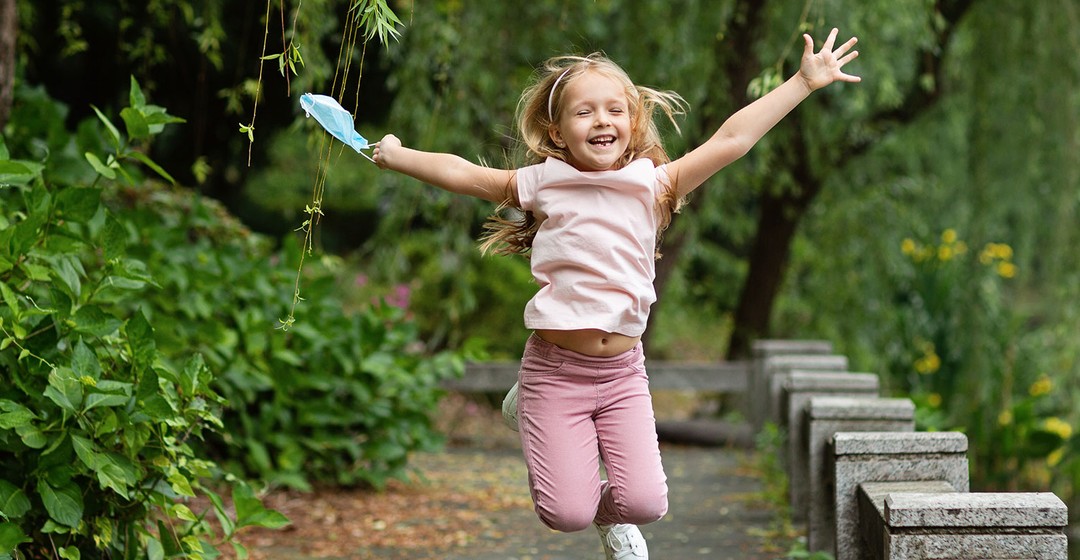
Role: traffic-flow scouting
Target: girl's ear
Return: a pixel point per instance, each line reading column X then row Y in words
column 556, row 136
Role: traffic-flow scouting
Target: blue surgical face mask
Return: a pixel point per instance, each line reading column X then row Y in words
column 334, row 118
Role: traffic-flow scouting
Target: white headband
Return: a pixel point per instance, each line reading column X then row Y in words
column 551, row 95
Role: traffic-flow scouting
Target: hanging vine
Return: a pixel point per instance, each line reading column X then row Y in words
column 365, row 20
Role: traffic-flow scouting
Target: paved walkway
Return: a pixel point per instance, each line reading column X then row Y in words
column 715, row 514
column 473, row 504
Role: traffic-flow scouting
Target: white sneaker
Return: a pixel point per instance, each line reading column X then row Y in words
column 622, row 541
column 509, row 408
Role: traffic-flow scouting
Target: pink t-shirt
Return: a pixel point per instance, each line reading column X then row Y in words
column 593, row 255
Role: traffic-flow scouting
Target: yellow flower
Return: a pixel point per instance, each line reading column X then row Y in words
column 928, row 364
column 1041, row 386
column 908, row 246
column 949, row 236
column 934, row 400
column 1055, row 457
column 1005, row 418
column 1006, row 269
column 1004, row 252
column 995, row 251
column 945, row 253
column 1058, row 426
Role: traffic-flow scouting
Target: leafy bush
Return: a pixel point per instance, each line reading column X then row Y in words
column 969, row 365
column 97, row 429
column 136, row 337
column 342, row 396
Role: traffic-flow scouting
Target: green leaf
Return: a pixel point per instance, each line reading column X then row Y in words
column 14, row 415
column 95, row 398
column 10, row 299
column 189, row 376
column 180, row 484
column 20, row 173
column 32, row 437
column 86, row 451
column 135, row 95
column 141, row 339
column 64, row 389
column 67, row 269
column 154, row 550
column 150, row 400
column 113, row 132
column 90, row 319
column 250, row 511
column 78, row 204
column 70, row 553
column 11, row 536
column 153, row 165
column 84, row 362
column 170, row 547
column 113, row 238
column 227, row 524
column 102, row 169
column 117, row 472
column 13, row 501
column 137, row 127
column 64, row 504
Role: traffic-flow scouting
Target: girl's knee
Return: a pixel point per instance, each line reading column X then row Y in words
column 640, row 508
column 566, row 520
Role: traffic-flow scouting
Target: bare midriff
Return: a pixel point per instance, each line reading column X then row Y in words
column 591, row 342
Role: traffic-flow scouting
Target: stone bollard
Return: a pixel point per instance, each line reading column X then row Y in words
column 763, row 350
column 778, row 368
column 855, row 459
column 799, row 387
column 872, row 508
column 965, row 526
column 826, row 416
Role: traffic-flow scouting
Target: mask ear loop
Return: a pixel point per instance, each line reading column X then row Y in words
column 551, row 94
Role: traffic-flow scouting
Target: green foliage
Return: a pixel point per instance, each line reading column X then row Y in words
column 98, row 431
column 136, row 336
column 343, row 396
column 971, row 367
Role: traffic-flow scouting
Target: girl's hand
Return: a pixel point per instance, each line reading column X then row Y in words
column 384, row 151
column 823, row 68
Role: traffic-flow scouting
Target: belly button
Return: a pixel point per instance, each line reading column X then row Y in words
column 603, row 341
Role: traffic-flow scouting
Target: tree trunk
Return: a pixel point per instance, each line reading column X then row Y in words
column 776, row 226
column 737, row 67
column 8, row 33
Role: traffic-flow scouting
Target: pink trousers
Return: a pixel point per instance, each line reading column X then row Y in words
column 575, row 410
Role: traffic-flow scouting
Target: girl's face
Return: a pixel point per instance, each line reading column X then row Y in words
column 594, row 123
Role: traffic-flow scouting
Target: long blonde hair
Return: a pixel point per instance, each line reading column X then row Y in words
column 538, row 110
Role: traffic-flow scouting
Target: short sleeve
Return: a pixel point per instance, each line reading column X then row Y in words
column 663, row 180
column 528, row 180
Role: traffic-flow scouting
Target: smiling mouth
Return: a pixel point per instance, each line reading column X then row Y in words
column 602, row 141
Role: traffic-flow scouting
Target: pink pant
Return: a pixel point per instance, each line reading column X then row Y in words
column 575, row 409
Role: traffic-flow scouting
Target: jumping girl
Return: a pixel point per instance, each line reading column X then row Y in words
column 598, row 192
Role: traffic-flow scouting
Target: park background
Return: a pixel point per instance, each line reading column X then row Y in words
column 172, row 223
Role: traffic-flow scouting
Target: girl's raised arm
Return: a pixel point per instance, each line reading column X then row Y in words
column 446, row 171
column 742, row 130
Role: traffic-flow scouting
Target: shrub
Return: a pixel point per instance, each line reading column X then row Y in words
column 968, row 363
column 97, row 428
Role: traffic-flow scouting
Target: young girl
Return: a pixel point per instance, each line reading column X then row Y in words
column 599, row 191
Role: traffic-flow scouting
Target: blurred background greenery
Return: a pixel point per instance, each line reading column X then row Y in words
column 924, row 221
